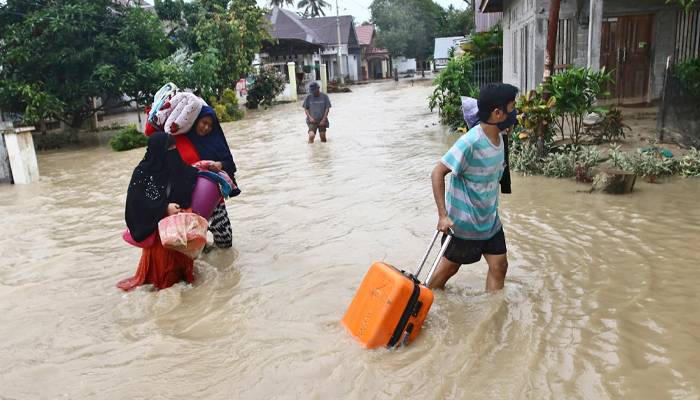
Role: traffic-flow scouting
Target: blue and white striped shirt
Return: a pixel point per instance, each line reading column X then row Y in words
column 472, row 198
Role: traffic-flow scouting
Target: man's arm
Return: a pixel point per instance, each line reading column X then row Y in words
column 324, row 120
column 438, row 180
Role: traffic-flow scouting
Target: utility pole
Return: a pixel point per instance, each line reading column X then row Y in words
column 337, row 23
column 550, row 54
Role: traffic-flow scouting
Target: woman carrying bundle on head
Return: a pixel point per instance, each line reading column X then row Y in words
column 161, row 185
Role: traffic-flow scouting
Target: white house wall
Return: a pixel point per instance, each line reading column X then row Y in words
column 403, row 65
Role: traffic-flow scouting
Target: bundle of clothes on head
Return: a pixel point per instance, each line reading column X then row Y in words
column 175, row 112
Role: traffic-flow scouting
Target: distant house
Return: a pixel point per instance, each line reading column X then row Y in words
column 375, row 62
column 312, row 41
column 442, row 50
column 633, row 39
column 326, row 30
column 295, row 43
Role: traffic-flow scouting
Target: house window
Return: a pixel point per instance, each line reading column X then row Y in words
column 688, row 35
column 566, row 45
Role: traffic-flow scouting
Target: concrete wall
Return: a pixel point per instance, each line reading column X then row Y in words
column 524, row 26
column 403, row 64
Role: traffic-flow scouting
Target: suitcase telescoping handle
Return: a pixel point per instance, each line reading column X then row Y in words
column 437, row 259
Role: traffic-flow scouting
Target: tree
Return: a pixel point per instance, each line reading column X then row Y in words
column 236, row 34
column 407, row 27
column 456, row 22
column 58, row 56
column 281, row 3
column 313, row 8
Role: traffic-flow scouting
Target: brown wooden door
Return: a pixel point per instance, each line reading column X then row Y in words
column 626, row 51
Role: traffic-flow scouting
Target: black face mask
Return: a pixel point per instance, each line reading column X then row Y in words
column 511, row 120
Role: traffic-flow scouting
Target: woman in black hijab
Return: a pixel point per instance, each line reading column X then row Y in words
column 161, row 185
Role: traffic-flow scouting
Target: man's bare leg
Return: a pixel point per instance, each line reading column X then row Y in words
column 323, row 136
column 312, row 135
column 498, row 267
column 444, row 271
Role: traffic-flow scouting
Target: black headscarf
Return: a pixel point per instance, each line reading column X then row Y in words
column 160, row 178
column 213, row 146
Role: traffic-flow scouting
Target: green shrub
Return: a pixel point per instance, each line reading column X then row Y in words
column 452, row 83
column 689, row 164
column 574, row 161
column 227, row 109
column 652, row 166
column 576, row 91
column 127, row 139
column 268, row 84
column 621, row 160
column 688, row 74
column 525, row 159
column 49, row 141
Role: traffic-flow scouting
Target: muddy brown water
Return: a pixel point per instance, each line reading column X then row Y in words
column 600, row 302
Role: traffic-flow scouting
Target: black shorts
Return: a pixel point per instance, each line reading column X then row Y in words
column 462, row 251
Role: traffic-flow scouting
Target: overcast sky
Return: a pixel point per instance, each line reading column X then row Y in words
column 357, row 8
column 360, row 8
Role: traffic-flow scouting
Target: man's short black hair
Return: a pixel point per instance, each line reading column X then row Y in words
column 493, row 96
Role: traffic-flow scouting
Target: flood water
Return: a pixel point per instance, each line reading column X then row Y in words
column 600, row 301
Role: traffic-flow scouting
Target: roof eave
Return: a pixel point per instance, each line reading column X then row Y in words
column 491, row 6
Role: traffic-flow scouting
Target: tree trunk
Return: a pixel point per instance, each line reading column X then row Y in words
column 613, row 181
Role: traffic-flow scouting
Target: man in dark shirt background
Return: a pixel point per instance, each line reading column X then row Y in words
column 316, row 106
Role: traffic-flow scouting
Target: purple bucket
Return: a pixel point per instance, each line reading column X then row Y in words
column 205, row 196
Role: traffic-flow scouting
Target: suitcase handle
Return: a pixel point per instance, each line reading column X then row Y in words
column 437, row 259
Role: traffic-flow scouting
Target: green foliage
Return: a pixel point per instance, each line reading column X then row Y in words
column 56, row 56
column 686, row 5
column 127, row 139
column 55, row 140
column 485, row 44
column 525, row 159
column 688, row 74
column 536, row 117
column 236, row 33
column 651, row 164
column 454, row 22
column 610, row 129
column 268, row 84
column 453, row 82
column 689, row 164
column 227, row 109
column 407, row 27
column 573, row 161
column 576, row 91
column 313, row 8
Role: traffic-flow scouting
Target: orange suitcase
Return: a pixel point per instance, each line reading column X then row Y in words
column 391, row 305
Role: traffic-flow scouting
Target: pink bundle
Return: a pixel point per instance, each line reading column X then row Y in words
column 184, row 232
column 178, row 114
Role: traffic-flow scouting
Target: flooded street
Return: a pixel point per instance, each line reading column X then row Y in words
column 600, row 301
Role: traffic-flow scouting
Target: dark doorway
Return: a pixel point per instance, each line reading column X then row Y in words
column 626, row 51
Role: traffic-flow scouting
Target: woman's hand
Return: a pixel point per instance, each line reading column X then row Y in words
column 216, row 166
column 173, row 208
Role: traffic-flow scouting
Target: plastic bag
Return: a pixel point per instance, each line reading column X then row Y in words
column 184, row 232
